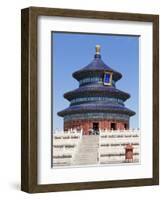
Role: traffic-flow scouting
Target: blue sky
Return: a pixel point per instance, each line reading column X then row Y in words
column 71, row 52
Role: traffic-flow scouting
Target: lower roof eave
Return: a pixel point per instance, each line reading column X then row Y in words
column 68, row 112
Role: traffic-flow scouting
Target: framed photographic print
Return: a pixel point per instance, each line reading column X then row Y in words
column 90, row 100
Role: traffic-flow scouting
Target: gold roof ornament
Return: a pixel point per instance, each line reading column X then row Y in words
column 98, row 48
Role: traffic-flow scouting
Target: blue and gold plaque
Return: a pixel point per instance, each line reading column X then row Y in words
column 108, row 78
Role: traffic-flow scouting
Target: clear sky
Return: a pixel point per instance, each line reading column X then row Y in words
column 72, row 51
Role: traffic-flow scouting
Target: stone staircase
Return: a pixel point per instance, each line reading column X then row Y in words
column 87, row 153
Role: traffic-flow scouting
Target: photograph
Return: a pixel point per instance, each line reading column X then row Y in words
column 95, row 99
column 90, row 99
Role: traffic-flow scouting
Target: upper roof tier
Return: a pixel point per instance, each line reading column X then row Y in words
column 97, row 66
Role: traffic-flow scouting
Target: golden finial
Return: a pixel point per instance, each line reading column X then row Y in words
column 98, row 48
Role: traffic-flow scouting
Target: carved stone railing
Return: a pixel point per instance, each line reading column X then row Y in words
column 65, row 145
column 112, row 144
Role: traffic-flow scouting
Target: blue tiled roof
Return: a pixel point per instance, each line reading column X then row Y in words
column 96, row 69
column 83, row 108
column 97, row 65
column 96, row 89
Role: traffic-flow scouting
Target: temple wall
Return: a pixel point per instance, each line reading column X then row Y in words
column 87, row 125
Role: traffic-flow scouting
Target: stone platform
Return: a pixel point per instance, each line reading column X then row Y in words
column 109, row 147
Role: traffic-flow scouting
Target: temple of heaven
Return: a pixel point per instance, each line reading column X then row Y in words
column 97, row 103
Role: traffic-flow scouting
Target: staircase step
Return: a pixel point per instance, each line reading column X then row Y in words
column 87, row 152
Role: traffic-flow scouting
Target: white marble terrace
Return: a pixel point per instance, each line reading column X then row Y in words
column 72, row 148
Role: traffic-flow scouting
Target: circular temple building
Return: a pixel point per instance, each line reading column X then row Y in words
column 97, row 103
